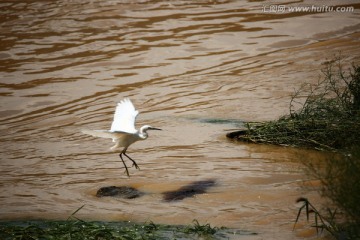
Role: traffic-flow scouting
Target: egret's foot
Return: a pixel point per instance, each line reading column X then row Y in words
column 134, row 163
column 136, row 166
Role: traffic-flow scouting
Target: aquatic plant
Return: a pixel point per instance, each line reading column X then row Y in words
column 77, row 229
column 324, row 116
column 320, row 221
column 340, row 178
column 83, row 230
column 328, row 221
column 199, row 229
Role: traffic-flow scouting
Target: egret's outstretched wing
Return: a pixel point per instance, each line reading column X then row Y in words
column 121, row 139
column 124, row 118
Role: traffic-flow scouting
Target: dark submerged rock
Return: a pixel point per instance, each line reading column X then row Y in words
column 198, row 187
column 119, row 192
column 237, row 134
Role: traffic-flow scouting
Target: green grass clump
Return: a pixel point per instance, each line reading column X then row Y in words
column 201, row 230
column 325, row 116
column 76, row 229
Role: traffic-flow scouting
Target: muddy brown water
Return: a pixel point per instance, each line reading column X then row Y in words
column 196, row 69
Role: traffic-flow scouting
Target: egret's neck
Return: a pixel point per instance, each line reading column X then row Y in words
column 142, row 133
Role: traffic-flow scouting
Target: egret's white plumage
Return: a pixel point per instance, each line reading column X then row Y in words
column 123, row 131
column 124, row 117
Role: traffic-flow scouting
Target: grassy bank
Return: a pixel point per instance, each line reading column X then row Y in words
column 324, row 116
column 76, row 229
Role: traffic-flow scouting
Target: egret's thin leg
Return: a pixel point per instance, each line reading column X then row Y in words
column 134, row 163
column 126, row 168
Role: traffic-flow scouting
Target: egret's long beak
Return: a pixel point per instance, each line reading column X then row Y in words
column 152, row 128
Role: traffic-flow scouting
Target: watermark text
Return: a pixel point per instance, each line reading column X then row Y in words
column 277, row 8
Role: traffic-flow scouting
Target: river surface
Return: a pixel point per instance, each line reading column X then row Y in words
column 196, row 69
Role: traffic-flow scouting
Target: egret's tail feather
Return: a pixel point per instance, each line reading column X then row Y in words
column 98, row 133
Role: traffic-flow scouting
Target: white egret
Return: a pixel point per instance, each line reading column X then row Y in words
column 122, row 131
